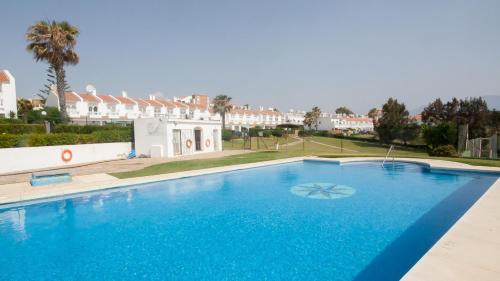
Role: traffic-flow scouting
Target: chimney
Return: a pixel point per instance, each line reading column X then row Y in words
column 152, row 97
column 124, row 94
column 261, row 108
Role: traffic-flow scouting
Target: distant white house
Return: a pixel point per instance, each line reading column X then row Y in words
column 295, row 117
column 8, row 99
column 342, row 122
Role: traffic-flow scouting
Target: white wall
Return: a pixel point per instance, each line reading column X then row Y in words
column 8, row 96
column 42, row 157
column 158, row 132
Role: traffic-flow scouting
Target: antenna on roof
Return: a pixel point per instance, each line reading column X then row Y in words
column 91, row 89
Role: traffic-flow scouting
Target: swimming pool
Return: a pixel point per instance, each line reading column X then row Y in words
column 307, row 220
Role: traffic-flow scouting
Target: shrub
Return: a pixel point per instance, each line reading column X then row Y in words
column 441, row 134
column 51, row 114
column 58, row 139
column 112, row 136
column 10, row 121
column 278, row 132
column 8, row 140
column 87, row 129
column 444, row 150
column 18, row 129
column 227, row 134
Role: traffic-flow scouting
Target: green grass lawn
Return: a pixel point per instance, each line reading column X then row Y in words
column 319, row 146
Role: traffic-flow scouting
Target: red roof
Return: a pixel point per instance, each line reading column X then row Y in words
column 155, row 103
column 142, row 102
column 3, row 77
column 89, row 97
column 108, row 99
column 71, row 97
column 167, row 103
column 125, row 100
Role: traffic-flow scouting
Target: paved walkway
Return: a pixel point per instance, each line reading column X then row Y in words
column 117, row 165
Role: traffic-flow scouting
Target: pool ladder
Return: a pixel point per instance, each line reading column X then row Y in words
column 387, row 155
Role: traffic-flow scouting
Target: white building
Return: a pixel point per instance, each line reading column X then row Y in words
column 340, row 122
column 244, row 117
column 164, row 137
column 295, row 117
column 92, row 107
column 8, row 99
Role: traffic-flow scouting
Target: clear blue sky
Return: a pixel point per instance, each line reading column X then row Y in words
column 291, row 54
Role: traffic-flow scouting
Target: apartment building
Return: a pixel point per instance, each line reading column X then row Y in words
column 342, row 122
column 8, row 99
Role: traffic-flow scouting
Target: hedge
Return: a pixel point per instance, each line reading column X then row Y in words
column 13, row 140
column 8, row 140
column 19, row 129
column 87, row 129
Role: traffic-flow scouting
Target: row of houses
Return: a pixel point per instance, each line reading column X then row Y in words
column 342, row 122
column 91, row 107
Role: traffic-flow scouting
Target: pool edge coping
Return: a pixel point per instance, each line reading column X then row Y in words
column 452, row 265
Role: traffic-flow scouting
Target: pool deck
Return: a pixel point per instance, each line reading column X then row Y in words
column 469, row 250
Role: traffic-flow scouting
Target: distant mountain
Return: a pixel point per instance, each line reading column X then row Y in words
column 493, row 102
column 417, row 110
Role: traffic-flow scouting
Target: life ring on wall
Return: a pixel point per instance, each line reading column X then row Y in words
column 66, row 155
column 189, row 143
column 207, row 143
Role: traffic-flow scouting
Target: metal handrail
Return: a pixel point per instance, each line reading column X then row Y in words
column 387, row 155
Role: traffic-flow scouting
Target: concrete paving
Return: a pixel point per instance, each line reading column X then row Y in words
column 115, row 166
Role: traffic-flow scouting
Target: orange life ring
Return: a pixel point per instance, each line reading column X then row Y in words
column 207, row 143
column 189, row 143
column 66, row 155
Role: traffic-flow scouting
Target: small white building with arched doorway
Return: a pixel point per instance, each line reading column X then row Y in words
column 165, row 138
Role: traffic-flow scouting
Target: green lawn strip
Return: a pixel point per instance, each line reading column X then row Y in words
column 470, row 161
column 364, row 149
column 179, row 166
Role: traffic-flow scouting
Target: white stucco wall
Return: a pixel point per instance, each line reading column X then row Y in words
column 8, row 96
column 35, row 158
column 151, row 133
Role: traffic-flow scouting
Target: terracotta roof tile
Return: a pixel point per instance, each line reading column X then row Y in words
column 89, row 97
column 142, row 102
column 155, row 103
column 3, row 77
column 108, row 99
column 125, row 100
column 71, row 97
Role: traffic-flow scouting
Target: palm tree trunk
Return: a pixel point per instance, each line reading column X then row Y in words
column 60, row 78
column 223, row 120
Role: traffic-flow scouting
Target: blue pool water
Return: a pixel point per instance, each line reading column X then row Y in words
column 371, row 223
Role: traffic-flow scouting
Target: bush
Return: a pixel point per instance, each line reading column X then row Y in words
column 112, row 136
column 51, row 114
column 58, row 139
column 19, row 129
column 444, row 150
column 87, row 129
column 8, row 140
column 278, row 132
column 441, row 134
column 227, row 135
column 10, row 121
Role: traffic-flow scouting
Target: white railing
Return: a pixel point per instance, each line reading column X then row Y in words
column 387, row 155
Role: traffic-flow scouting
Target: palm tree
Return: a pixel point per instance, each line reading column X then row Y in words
column 54, row 42
column 24, row 106
column 222, row 104
column 316, row 113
